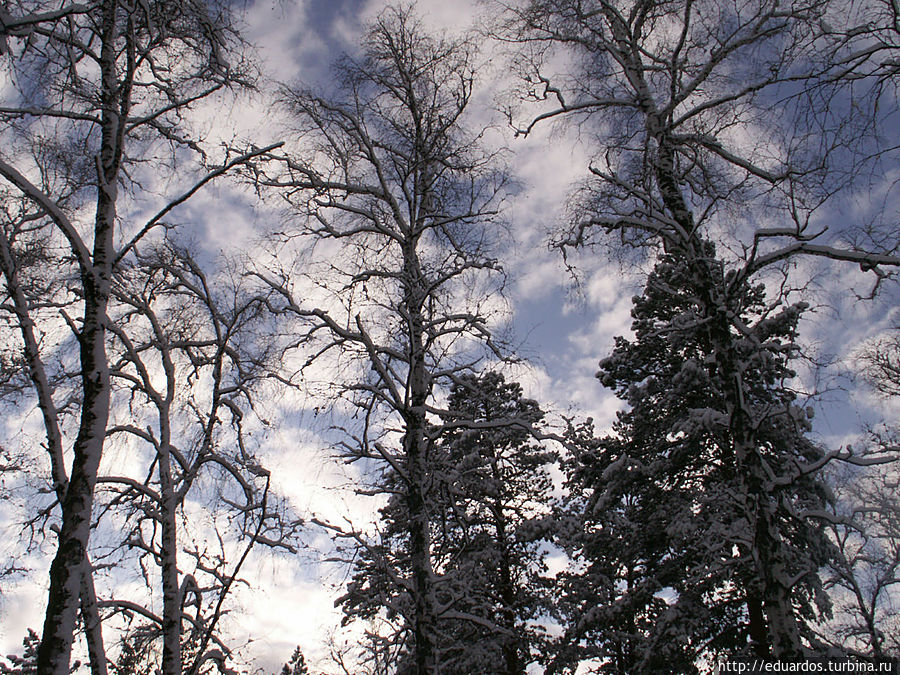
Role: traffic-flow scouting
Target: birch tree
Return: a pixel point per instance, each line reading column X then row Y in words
column 863, row 577
column 395, row 186
column 190, row 357
column 707, row 130
column 99, row 91
column 26, row 255
column 865, row 574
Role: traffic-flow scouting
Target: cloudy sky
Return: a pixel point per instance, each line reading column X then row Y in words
column 561, row 325
column 560, row 328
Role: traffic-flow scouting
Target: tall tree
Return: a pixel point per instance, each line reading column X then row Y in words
column 98, row 100
column 399, row 191
column 673, row 91
column 664, row 519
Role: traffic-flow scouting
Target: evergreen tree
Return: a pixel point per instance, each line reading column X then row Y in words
column 297, row 664
column 666, row 516
column 487, row 481
column 26, row 664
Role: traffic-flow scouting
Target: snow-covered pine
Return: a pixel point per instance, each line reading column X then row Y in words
column 488, row 482
column 688, row 551
column 710, row 126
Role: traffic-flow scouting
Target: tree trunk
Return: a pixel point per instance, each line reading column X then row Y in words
column 90, row 613
column 414, row 443
column 66, row 571
column 767, row 550
column 171, row 626
column 512, row 659
column 783, row 630
column 420, row 554
column 759, row 632
column 90, row 619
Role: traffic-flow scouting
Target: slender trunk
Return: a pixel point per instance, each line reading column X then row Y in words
column 90, row 613
column 875, row 636
column 777, row 612
column 420, row 553
column 767, row 547
column 866, row 609
column 66, row 571
column 512, row 657
column 90, row 619
column 171, row 626
column 414, row 445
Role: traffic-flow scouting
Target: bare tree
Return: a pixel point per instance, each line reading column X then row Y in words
column 880, row 363
column 100, row 90
column 190, row 357
column 704, row 115
column 398, row 193
column 865, row 574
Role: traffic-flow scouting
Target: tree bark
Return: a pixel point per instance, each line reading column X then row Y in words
column 420, row 553
column 171, row 627
column 90, row 619
column 66, row 571
column 90, row 614
column 756, row 626
column 415, row 448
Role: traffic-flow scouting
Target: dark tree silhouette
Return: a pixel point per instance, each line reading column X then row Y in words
column 402, row 193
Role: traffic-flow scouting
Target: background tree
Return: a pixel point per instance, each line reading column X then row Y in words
column 98, row 102
column 400, row 193
column 190, row 356
column 489, row 484
column 863, row 577
column 296, row 665
column 879, row 362
column 26, row 663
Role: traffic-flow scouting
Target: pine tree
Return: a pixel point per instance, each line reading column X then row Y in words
column 667, row 517
column 26, row 664
column 487, row 481
column 296, row 665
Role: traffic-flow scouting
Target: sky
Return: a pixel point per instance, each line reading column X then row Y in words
column 562, row 325
column 556, row 326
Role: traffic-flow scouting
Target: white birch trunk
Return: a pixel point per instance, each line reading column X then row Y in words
column 66, row 571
